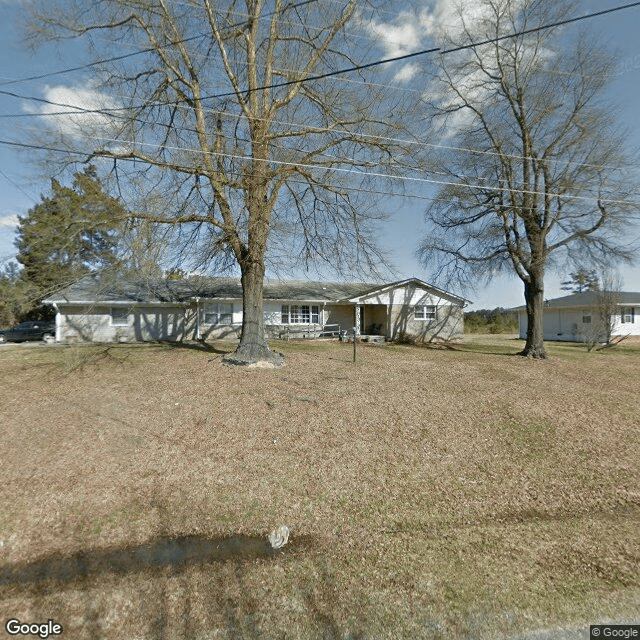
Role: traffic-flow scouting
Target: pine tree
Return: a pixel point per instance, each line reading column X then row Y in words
column 581, row 280
column 69, row 234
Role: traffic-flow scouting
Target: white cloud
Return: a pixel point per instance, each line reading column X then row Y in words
column 407, row 72
column 9, row 222
column 436, row 21
column 74, row 111
column 397, row 39
column 440, row 23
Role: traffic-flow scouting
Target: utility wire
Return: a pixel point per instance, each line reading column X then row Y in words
column 329, row 156
column 316, row 130
column 338, row 71
column 140, row 52
column 77, row 110
column 362, row 174
column 414, row 54
column 329, row 73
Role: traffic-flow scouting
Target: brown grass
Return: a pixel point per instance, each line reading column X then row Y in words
column 460, row 493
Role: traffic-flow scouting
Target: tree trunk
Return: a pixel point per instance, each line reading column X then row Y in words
column 253, row 347
column 534, row 298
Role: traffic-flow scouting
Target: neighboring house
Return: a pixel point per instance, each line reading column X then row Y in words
column 578, row 317
column 202, row 308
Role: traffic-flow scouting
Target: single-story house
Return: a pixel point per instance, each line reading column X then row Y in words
column 577, row 317
column 199, row 308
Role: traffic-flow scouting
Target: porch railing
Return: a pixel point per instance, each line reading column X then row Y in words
column 325, row 331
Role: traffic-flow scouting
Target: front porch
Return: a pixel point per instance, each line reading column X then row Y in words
column 373, row 320
column 369, row 321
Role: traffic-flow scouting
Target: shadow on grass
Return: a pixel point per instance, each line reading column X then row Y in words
column 496, row 346
column 175, row 553
column 197, row 345
column 179, row 588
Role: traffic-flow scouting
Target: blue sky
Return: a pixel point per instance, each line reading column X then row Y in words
column 22, row 184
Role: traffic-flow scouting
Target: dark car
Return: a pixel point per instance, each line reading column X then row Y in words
column 32, row 330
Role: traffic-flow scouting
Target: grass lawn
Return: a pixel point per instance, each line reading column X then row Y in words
column 464, row 493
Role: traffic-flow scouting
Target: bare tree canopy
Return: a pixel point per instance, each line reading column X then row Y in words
column 226, row 127
column 535, row 171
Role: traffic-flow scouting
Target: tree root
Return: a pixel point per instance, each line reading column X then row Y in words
column 254, row 355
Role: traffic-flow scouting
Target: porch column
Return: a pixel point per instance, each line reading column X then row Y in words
column 357, row 319
column 197, row 318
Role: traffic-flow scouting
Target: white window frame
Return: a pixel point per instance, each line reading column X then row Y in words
column 424, row 312
column 119, row 317
column 628, row 315
column 586, row 317
column 300, row 314
column 217, row 313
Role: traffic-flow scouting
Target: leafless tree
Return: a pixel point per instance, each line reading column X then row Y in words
column 229, row 120
column 605, row 313
column 535, row 173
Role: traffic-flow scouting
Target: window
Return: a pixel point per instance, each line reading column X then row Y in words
column 628, row 315
column 300, row 314
column 586, row 317
column 119, row 317
column 424, row 312
column 218, row 313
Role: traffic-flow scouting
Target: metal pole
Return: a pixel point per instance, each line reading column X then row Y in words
column 354, row 344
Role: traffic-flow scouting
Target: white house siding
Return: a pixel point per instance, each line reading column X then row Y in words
column 91, row 323
column 401, row 322
column 390, row 311
column 341, row 315
column 628, row 328
column 567, row 324
column 447, row 325
column 405, row 295
column 560, row 324
column 206, row 331
column 522, row 325
column 151, row 323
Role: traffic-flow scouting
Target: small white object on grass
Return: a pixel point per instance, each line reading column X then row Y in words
column 279, row 537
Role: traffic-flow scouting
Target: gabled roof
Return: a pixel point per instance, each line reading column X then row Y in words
column 92, row 290
column 588, row 299
column 416, row 282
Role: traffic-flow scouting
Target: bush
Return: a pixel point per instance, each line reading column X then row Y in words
column 494, row 321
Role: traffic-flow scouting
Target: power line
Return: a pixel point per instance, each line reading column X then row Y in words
column 111, row 111
column 414, row 54
column 317, row 130
column 362, row 174
column 140, row 52
column 79, row 110
column 338, row 71
column 17, row 186
column 346, row 69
